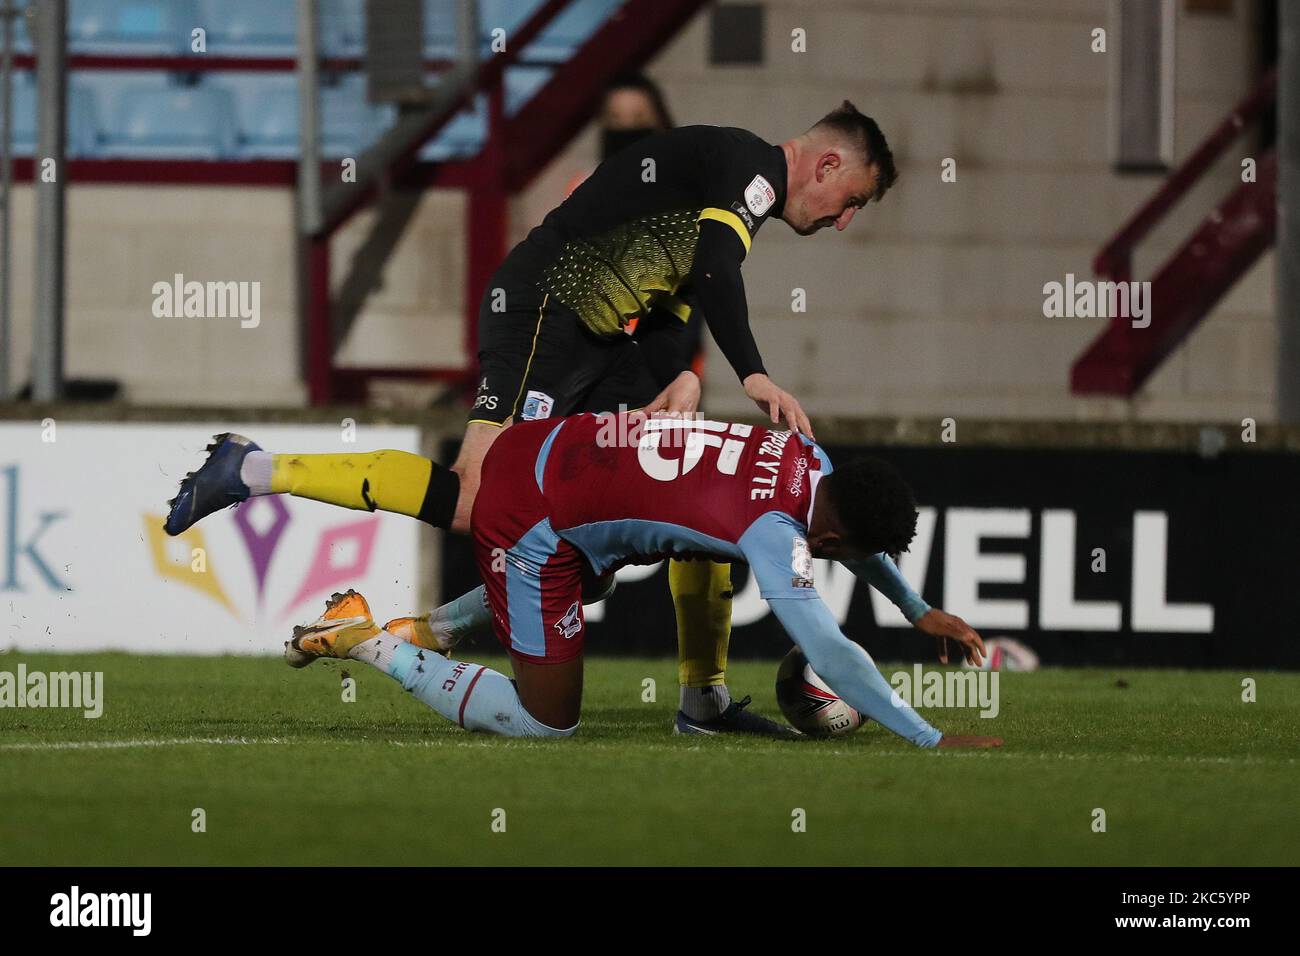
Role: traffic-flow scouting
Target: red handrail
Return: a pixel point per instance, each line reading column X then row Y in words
column 1115, row 258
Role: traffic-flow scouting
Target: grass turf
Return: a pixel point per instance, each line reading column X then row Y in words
column 288, row 773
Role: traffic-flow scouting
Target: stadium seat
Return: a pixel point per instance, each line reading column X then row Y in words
column 343, row 28
column 83, row 125
column 569, row 30
column 462, row 136
column 130, row 26
column 250, row 27
column 440, row 24
column 349, row 123
column 181, row 122
column 108, row 87
column 266, row 110
column 22, row 38
column 522, row 84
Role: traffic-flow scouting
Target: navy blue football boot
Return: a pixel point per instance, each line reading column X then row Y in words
column 734, row 720
column 214, row 486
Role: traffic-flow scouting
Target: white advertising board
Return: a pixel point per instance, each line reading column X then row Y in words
column 85, row 565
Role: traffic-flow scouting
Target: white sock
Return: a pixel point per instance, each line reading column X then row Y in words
column 474, row 696
column 705, row 703
column 255, row 471
column 379, row 651
column 466, row 616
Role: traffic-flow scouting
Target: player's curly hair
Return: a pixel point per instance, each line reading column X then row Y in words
column 874, row 504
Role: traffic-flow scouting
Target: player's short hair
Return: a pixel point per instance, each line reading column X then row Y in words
column 865, row 132
column 874, row 504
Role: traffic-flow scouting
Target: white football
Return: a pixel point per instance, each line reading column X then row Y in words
column 809, row 705
column 1006, row 654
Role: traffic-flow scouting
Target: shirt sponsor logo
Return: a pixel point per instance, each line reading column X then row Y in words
column 739, row 209
column 485, row 399
column 796, row 480
column 759, row 195
column 537, row 405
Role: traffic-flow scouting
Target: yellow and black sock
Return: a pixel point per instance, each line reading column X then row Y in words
column 702, row 598
column 395, row 481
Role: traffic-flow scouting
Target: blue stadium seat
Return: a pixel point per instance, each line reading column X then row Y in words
column 462, row 136
column 440, row 24
column 181, row 122
column 272, row 132
column 342, row 28
column 22, row 38
column 130, row 26
column 83, row 125
column 569, row 30
column 266, row 110
column 250, row 27
column 522, row 84
column 107, row 87
column 348, row 122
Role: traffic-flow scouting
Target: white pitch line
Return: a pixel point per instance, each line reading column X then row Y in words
column 993, row 753
column 126, row 744
column 547, row 746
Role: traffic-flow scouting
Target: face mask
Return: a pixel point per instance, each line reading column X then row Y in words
column 615, row 140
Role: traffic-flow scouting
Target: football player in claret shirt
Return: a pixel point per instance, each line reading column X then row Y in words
column 564, row 503
column 600, row 308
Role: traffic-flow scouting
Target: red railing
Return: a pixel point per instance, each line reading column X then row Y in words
column 1201, row 270
column 516, row 149
column 1114, row 261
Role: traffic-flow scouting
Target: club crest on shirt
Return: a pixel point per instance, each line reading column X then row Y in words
column 536, row 405
column 802, row 564
column 571, row 623
column 759, row 195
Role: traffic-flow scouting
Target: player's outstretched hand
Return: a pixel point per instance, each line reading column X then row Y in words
column 970, row 742
column 681, row 397
column 945, row 627
column 778, row 403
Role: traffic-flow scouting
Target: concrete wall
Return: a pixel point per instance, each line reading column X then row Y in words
column 930, row 304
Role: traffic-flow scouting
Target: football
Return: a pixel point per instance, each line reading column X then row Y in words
column 809, row 705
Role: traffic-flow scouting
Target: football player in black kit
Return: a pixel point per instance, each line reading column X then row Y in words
column 657, row 234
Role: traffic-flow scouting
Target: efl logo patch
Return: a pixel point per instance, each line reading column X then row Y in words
column 759, row 196
column 571, row 623
column 536, row 405
column 802, row 564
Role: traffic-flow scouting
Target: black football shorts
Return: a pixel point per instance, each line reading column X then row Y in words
column 537, row 360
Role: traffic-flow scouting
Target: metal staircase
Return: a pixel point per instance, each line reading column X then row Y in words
column 1186, row 287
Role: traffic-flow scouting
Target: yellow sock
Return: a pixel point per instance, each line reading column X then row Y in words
column 702, row 599
column 393, row 481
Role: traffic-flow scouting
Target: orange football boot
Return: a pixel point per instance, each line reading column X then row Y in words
column 416, row 630
column 345, row 624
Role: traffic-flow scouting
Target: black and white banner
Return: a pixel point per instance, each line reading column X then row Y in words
column 1087, row 556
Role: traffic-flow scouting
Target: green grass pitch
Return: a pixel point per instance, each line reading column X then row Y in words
column 289, row 773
